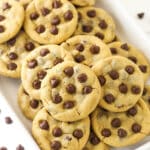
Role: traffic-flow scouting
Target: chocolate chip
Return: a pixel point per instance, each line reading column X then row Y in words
column 129, row 69
column 54, row 30
column 56, row 4
column 11, row 66
column 57, row 132
column 11, row 42
column 114, row 74
column 91, row 13
column 8, row 120
column 123, row 88
column 54, row 82
column 69, row 71
column 3, row 148
column 94, row 49
column 125, row 46
column 122, row 133
column 12, row 56
column 87, row 28
column 29, row 46
column 68, row 138
column 106, row 132
column 79, row 58
column 113, row 50
column 40, row 29
column 32, row 63
column 132, row 111
column 109, row 98
column 144, row 92
column 19, row 147
column 36, row 84
column 41, row 74
column 94, row 139
column 45, row 11
column 116, row 122
column 68, row 15
column 6, row 6
column 44, row 125
column 2, row 29
column 80, row 47
column 135, row 89
column 140, row 15
column 100, row 35
column 34, row 103
column 102, row 80
column 34, row 16
column 103, row 24
column 70, row 88
column 2, row 17
column 78, row 133
column 44, row 52
column 55, row 20
column 87, row 90
column 57, row 61
column 57, row 99
column 68, row 105
column 133, row 59
column 136, row 128
column 82, row 77
column 55, row 145
column 143, row 68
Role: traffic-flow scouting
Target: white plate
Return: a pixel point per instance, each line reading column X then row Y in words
column 20, row 131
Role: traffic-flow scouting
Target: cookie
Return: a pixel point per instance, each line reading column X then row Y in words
column 28, row 106
column 146, row 95
column 118, row 78
column 95, row 21
column 50, row 21
column 86, row 49
column 94, row 143
column 70, row 91
column 11, row 19
column 24, row 3
column 83, row 2
column 35, row 66
column 122, row 129
column 133, row 54
column 51, row 134
column 13, row 52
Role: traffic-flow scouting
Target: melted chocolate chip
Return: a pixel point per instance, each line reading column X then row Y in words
column 55, row 145
column 114, row 74
column 41, row 74
column 68, row 15
column 135, row 89
column 2, row 29
column 34, row 16
column 94, row 139
column 78, row 133
column 116, row 122
column 11, row 42
column 44, row 125
column 143, row 68
column 44, row 52
column 91, row 13
column 109, row 98
column 79, row 58
column 40, row 29
column 71, row 89
column 87, row 90
column 82, row 78
column 133, row 59
column 136, row 128
column 32, row 63
column 113, row 51
column 2, row 17
column 106, row 132
column 102, row 80
column 125, row 46
column 80, row 47
column 54, row 30
column 132, row 111
column 57, row 99
column 56, row 4
column 100, row 35
column 19, row 147
column 123, row 88
column 36, row 84
column 54, row 82
column 103, row 24
column 6, row 6
column 129, row 69
column 29, row 46
column 68, row 105
column 69, row 71
column 87, row 28
column 8, row 120
column 94, row 49
column 34, row 103
column 57, row 61
column 11, row 66
column 57, row 132
column 12, row 56
column 122, row 133
column 45, row 11
column 55, row 20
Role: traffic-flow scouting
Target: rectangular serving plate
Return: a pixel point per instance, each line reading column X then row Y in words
column 20, row 131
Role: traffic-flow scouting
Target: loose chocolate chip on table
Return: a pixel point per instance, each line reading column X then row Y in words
column 56, row 4
column 123, row 88
column 2, row 18
column 55, row 20
column 94, row 49
column 36, row 84
column 57, row 61
column 101, row 79
column 94, row 139
column 57, row 99
column 100, row 35
column 44, row 52
column 132, row 111
column 103, row 24
column 3, row 148
column 144, row 92
column 68, row 15
column 2, row 29
column 11, row 66
column 122, row 133
column 79, row 47
column 34, row 103
column 55, row 145
column 82, row 77
column 54, row 82
column 116, row 122
column 6, row 6
column 41, row 74
column 114, row 74
column 87, row 28
column 34, row 16
column 79, row 58
column 68, row 105
column 129, row 69
column 78, row 133
column 12, row 56
column 113, row 50
column 8, row 120
column 11, row 42
column 125, row 46
column 136, row 128
column 32, row 63
column 20, row 147
column 69, row 71
column 40, row 29
column 70, row 88
column 109, row 98
column 143, row 68
column 44, row 125
column 135, row 89
column 57, row 132
column 91, row 13
column 29, row 46
column 45, row 11
column 133, row 59
column 106, row 132
column 87, row 89
column 54, row 30
column 140, row 15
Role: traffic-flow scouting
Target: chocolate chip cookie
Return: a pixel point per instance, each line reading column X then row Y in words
column 122, row 129
column 51, row 134
column 133, row 54
column 146, row 95
column 86, row 49
column 35, row 66
column 118, row 78
column 50, row 21
column 70, row 91
column 13, row 52
column 95, row 21
column 28, row 106
column 11, row 19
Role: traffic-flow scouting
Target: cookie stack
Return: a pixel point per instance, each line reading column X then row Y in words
column 82, row 87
